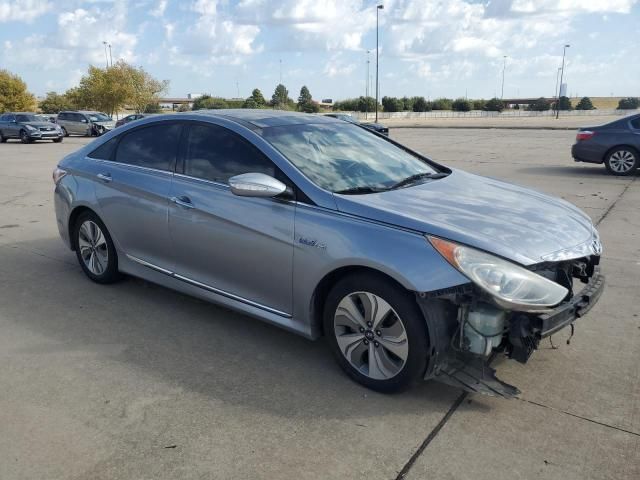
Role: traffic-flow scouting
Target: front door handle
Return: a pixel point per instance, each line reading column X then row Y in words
column 182, row 201
column 105, row 177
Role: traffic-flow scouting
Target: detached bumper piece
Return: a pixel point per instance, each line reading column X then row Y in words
column 475, row 376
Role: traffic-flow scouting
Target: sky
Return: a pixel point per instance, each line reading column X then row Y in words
column 426, row 47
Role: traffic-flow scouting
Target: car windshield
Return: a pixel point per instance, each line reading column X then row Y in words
column 99, row 117
column 340, row 157
column 27, row 118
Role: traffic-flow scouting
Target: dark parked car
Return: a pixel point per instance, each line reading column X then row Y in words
column 616, row 144
column 131, row 118
column 376, row 127
column 28, row 127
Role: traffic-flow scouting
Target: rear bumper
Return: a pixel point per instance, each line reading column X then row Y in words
column 577, row 307
column 582, row 152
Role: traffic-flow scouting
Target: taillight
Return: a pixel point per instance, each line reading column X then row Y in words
column 58, row 173
column 584, row 135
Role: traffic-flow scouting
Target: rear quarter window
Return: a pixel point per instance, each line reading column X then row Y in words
column 105, row 151
column 153, row 146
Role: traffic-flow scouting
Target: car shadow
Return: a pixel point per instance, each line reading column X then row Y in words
column 193, row 344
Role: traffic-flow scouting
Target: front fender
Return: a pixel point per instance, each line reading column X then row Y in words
column 326, row 240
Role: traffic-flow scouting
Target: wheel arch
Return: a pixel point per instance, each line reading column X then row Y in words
column 616, row 147
column 73, row 217
column 320, row 293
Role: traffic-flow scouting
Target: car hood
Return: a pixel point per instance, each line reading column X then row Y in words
column 106, row 123
column 39, row 124
column 511, row 221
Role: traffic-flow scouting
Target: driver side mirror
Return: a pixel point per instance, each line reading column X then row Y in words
column 256, row 185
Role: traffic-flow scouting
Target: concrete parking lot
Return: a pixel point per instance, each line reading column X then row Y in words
column 133, row 381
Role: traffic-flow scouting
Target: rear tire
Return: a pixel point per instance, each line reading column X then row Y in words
column 622, row 161
column 94, row 249
column 3, row 139
column 390, row 352
column 64, row 131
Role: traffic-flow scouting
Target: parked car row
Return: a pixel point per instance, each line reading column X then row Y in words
column 28, row 127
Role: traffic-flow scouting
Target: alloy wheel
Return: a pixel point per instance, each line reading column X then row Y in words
column 371, row 335
column 622, row 161
column 92, row 245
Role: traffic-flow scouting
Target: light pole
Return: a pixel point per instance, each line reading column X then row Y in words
column 280, row 71
column 106, row 58
column 110, row 57
column 378, row 8
column 366, row 89
column 504, row 66
column 564, row 51
column 555, row 92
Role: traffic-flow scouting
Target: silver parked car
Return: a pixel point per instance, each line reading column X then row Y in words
column 28, row 127
column 410, row 269
column 85, row 123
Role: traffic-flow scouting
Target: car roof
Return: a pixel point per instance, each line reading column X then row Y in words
column 263, row 118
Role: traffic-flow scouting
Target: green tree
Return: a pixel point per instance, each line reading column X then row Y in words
column 305, row 101
column 540, row 105
column 461, row 105
column 494, row 105
column 420, row 104
column 153, row 108
column 207, row 102
column 54, row 103
column 442, row 104
column 184, row 107
column 366, row 104
column 479, row 104
column 392, row 104
column 13, row 93
column 258, row 98
column 407, row 103
column 280, row 97
column 250, row 103
column 564, row 103
column 629, row 103
column 585, row 104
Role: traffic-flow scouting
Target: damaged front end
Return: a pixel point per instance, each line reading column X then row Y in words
column 480, row 324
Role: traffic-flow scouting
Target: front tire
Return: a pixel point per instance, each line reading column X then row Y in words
column 377, row 332
column 58, row 140
column 3, row 139
column 24, row 137
column 94, row 249
column 622, row 161
column 64, row 132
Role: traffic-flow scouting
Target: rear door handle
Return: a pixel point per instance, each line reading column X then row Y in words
column 182, row 201
column 105, row 177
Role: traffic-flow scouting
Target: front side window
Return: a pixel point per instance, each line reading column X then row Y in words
column 26, row 118
column 99, row 117
column 151, row 147
column 217, row 154
column 105, row 151
column 340, row 157
column 635, row 123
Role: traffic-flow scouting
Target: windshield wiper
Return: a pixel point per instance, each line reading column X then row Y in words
column 361, row 190
column 418, row 176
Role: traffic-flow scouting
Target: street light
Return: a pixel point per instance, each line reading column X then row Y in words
column 564, row 51
column 378, row 8
column 366, row 89
column 504, row 66
column 106, row 58
column 555, row 92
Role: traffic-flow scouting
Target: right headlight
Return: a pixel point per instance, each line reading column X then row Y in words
column 512, row 286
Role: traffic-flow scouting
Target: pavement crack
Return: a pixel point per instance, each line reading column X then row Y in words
column 613, row 204
column 432, row 435
column 580, row 417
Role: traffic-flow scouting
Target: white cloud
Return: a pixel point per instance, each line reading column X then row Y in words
column 23, row 10
column 158, row 12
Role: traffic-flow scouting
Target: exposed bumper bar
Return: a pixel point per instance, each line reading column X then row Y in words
column 578, row 306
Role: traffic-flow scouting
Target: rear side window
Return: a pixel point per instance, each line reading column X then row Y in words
column 151, row 147
column 62, row 116
column 216, row 153
column 105, row 151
